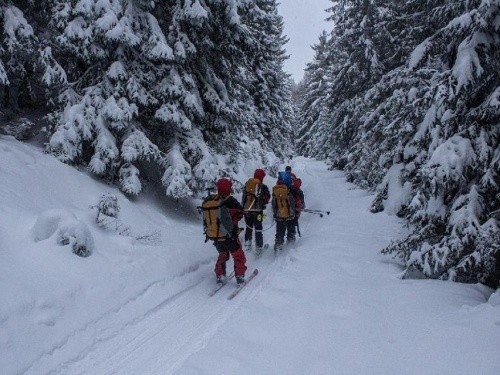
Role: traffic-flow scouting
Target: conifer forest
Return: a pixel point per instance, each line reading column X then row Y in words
column 402, row 96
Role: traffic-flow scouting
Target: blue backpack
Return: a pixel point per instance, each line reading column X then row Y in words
column 286, row 178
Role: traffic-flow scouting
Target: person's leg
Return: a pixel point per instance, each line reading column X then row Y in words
column 248, row 231
column 280, row 234
column 220, row 264
column 290, row 230
column 259, row 239
column 239, row 259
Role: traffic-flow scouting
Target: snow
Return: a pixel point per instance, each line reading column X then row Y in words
column 468, row 64
column 14, row 24
column 330, row 304
column 398, row 194
column 450, row 159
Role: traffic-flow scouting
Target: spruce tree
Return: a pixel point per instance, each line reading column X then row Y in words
column 454, row 206
column 424, row 134
column 313, row 109
column 108, row 48
column 27, row 67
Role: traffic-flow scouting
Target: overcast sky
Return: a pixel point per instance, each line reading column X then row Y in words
column 304, row 21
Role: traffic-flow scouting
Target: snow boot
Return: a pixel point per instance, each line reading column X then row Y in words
column 220, row 279
column 240, row 279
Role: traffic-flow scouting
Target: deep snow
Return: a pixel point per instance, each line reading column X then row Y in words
column 331, row 304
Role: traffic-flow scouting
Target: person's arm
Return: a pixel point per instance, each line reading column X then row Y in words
column 273, row 203
column 266, row 196
column 235, row 209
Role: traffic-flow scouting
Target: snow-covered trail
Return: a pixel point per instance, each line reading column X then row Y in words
column 331, row 304
column 337, row 306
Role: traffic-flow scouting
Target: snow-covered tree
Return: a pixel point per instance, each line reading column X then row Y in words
column 270, row 86
column 425, row 133
column 108, row 48
column 169, row 82
column 313, row 98
column 27, row 66
column 454, row 149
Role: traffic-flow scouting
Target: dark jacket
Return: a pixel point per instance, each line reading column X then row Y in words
column 264, row 197
column 235, row 211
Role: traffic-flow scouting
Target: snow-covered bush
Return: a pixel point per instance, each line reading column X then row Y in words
column 107, row 214
column 108, row 205
column 68, row 230
column 107, row 218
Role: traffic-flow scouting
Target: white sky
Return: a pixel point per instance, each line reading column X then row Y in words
column 304, row 21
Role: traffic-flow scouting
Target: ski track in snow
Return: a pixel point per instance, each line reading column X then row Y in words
column 131, row 339
column 175, row 326
column 109, row 325
column 172, row 326
column 121, row 341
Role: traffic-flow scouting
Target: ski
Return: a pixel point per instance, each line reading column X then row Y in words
column 219, row 287
column 238, row 289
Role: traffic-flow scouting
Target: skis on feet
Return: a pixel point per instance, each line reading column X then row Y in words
column 241, row 286
column 221, row 285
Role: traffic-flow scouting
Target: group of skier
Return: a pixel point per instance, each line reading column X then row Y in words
column 222, row 212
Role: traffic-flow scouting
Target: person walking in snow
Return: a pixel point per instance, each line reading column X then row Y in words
column 292, row 175
column 300, row 203
column 221, row 214
column 283, row 204
column 254, row 199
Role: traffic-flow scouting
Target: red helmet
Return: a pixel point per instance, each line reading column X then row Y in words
column 297, row 183
column 260, row 174
column 224, row 186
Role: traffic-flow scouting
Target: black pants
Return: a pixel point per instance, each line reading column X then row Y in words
column 252, row 222
column 284, row 227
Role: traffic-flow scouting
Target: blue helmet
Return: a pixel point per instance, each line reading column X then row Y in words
column 285, row 178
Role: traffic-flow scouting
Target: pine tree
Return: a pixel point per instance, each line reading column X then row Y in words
column 108, row 48
column 455, row 149
column 425, row 133
column 312, row 112
column 163, row 91
column 27, row 66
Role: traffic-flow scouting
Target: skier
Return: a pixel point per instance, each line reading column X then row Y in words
column 283, row 210
column 222, row 228
column 254, row 199
column 292, row 175
column 300, row 203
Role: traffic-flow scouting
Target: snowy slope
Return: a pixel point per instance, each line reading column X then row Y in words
column 329, row 305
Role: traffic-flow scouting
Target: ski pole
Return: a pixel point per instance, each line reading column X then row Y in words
column 252, row 210
column 298, row 229
column 313, row 212
column 316, row 211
